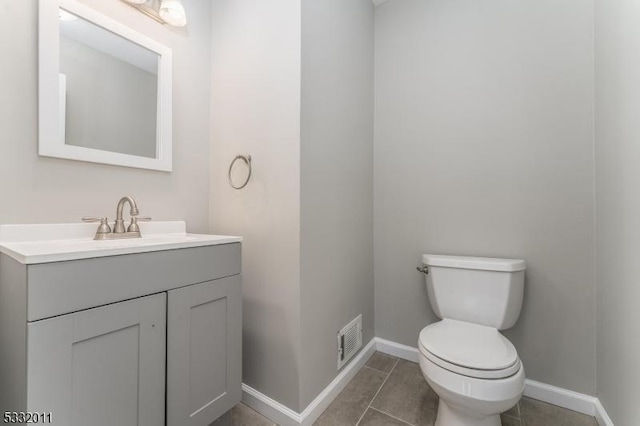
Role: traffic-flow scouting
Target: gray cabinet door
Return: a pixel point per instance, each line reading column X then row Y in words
column 204, row 354
column 103, row 366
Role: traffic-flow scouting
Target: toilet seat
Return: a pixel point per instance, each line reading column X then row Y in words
column 469, row 372
column 468, row 349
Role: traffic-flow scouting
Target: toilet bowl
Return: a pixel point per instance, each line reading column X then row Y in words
column 470, row 395
column 473, row 368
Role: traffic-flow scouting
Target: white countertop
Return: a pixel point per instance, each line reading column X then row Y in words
column 32, row 244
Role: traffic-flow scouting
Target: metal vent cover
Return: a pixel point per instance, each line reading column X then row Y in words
column 349, row 340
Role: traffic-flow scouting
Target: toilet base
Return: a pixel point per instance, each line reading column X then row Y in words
column 449, row 416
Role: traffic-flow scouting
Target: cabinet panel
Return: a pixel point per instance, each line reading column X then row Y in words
column 99, row 281
column 204, row 341
column 104, row 366
column 13, row 335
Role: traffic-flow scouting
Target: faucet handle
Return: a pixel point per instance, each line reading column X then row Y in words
column 103, row 228
column 133, row 227
column 94, row 219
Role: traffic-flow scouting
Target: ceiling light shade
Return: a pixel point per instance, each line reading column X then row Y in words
column 172, row 12
column 136, row 1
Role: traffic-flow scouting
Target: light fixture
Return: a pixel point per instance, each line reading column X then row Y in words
column 172, row 12
column 169, row 12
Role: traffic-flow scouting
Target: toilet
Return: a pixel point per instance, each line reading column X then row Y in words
column 472, row 367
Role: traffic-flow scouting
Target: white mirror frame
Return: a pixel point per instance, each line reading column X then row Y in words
column 51, row 141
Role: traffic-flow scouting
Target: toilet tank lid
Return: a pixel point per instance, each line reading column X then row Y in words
column 480, row 263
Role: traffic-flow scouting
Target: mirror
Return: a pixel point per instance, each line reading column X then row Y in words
column 105, row 90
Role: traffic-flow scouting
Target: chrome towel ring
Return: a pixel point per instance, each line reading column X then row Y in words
column 247, row 161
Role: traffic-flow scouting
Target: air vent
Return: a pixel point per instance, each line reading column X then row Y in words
column 349, row 341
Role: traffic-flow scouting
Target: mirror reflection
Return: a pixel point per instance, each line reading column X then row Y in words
column 108, row 89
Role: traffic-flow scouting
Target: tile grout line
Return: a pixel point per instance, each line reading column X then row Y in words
column 390, row 415
column 384, row 381
column 519, row 414
column 375, row 369
column 380, row 411
column 379, row 389
column 510, row 416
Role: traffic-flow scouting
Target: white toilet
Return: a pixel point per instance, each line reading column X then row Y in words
column 472, row 367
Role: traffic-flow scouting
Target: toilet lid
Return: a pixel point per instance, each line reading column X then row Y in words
column 472, row 346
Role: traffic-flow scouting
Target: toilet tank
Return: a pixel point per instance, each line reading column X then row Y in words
column 479, row 290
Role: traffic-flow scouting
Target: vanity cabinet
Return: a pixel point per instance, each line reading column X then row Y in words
column 143, row 339
column 203, row 373
column 102, row 367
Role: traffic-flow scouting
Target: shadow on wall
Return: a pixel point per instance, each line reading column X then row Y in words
column 254, row 344
column 421, row 288
column 515, row 333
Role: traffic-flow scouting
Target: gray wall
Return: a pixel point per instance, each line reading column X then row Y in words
column 484, row 146
column 307, row 121
column 618, row 207
column 41, row 190
column 255, row 109
column 336, row 179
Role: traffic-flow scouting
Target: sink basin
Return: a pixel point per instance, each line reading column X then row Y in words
column 31, row 244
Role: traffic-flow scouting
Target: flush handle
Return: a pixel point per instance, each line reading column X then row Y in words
column 424, row 269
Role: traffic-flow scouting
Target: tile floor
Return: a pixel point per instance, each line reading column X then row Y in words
column 392, row 392
column 241, row 415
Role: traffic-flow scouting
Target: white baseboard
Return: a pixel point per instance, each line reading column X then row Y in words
column 326, row 397
column 270, row 408
column 602, row 417
column 285, row 416
column 396, row 349
column 564, row 398
column 560, row 397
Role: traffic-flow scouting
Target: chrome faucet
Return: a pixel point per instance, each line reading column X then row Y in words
column 133, row 231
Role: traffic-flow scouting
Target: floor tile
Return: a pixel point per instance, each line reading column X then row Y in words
column 407, row 396
column 224, row 420
column 376, row 418
column 537, row 413
column 382, row 362
column 353, row 401
column 510, row 421
column 241, row 415
column 513, row 412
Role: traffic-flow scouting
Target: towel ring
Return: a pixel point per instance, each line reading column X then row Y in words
column 247, row 160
